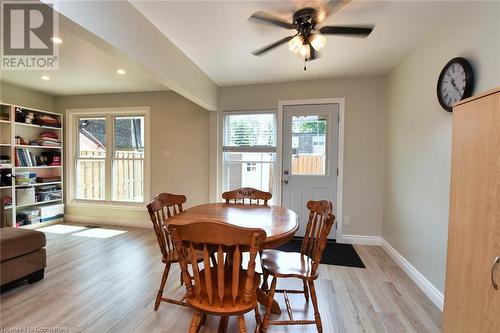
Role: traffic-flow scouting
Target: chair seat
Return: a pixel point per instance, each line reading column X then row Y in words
column 288, row 264
column 227, row 308
column 173, row 257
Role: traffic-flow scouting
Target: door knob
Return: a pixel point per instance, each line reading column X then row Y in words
column 285, row 179
column 493, row 282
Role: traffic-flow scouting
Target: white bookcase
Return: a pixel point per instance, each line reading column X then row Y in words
column 10, row 132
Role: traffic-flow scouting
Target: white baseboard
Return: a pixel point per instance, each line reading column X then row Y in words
column 358, row 239
column 107, row 221
column 421, row 281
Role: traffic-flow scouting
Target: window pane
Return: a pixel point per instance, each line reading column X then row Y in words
column 249, row 170
column 92, row 137
column 90, row 179
column 309, row 145
column 128, row 180
column 129, row 137
column 250, row 130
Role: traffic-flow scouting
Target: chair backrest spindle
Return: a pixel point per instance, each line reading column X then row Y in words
column 225, row 241
column 318, row 227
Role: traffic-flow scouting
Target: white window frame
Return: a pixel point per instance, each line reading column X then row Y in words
column 256, row 149
column 72, row 150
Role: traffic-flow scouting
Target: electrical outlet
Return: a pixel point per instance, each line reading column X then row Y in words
column 347, row 220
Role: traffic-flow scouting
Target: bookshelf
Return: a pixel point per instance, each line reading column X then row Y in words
column 31, row 166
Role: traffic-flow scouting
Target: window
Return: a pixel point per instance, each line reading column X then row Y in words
column 251, row 166
column 249, row 150
column 91, row 159
column 128, row 159
column 110, row 156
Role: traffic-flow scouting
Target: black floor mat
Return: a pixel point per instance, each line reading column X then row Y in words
column 334, row 254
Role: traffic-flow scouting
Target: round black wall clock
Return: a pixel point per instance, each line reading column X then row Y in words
column 454, row 83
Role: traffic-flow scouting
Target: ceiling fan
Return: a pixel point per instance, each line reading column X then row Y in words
column 308, row 38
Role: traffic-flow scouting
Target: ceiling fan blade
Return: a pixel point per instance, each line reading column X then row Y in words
column 330, row 8
column 272, row 46
column 362, row 32
column 265, row 17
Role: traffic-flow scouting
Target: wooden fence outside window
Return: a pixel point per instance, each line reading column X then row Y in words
column 127, row 171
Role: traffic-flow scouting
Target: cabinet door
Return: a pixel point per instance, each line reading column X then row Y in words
column 471, row 302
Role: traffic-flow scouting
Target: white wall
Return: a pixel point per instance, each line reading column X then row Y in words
column 418, row 136
column 179, row 148
column 13, row 94
column 364, row 136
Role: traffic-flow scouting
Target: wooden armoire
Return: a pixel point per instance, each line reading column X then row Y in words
column 472, row 290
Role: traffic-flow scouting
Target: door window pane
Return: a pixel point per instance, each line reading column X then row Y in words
column 309, row 144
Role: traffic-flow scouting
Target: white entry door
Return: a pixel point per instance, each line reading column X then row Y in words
column 310, row 145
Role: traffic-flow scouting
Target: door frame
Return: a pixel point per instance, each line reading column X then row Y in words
column 340, row 151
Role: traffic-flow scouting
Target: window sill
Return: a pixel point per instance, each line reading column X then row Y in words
column 131, row 206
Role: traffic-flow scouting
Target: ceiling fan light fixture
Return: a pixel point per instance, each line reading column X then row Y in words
column 296, row 43
column 318, row 41
column 305, row 51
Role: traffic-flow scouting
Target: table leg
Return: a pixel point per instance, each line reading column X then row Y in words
column 262, row 299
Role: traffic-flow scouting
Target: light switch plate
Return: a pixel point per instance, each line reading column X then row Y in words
column 347, row 220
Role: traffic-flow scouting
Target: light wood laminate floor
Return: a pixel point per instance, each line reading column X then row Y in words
column 110, row 284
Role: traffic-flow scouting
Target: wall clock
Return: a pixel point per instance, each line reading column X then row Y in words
column 454, row 83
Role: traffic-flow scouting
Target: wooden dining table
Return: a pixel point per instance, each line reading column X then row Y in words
column 279, row 223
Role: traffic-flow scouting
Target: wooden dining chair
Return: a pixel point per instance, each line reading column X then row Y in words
column 225, row 289
column 240, row 194
column 162, row 207
column 303, row 265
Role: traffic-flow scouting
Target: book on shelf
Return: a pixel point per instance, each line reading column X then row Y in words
column 26, row 158
column 53, row 179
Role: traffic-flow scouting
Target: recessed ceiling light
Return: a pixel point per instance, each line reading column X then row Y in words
column 56, row 40
column 45, row 77
column 120, row 71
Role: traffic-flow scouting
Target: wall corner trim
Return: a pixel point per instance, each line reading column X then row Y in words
column 420, row 280
column 359, row 239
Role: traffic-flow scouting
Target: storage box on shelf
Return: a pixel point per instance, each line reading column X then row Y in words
column 31, row 153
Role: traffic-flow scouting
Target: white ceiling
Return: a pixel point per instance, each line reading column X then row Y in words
column 218, row 38
column 87, row 66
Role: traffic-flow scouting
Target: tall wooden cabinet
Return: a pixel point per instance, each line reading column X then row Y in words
column 472, row 303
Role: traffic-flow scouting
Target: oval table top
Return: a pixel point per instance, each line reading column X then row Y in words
column 279, row 223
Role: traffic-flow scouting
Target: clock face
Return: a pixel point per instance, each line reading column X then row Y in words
column 454, row 83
